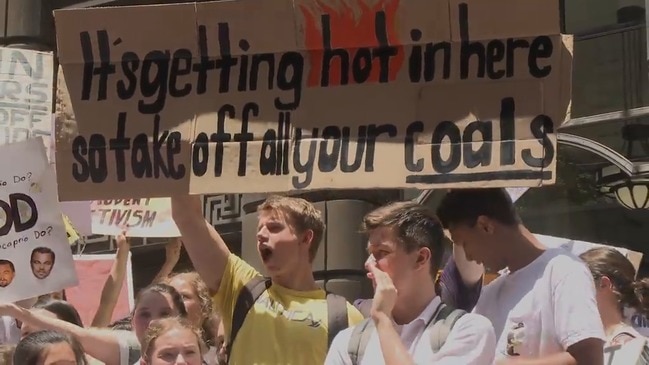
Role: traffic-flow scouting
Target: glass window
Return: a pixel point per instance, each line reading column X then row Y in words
column 610, row 55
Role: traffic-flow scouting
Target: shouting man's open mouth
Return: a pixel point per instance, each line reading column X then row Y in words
column 266, row 253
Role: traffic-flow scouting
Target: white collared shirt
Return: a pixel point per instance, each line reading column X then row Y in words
column 471, row 342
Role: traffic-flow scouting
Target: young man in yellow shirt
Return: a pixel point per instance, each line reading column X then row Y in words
column 284, row 320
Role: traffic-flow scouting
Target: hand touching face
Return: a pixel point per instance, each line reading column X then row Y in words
column 385, row 293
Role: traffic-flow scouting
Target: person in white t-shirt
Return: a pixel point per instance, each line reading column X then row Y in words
column 405, row 244
column 617, row 289
column 543, row 306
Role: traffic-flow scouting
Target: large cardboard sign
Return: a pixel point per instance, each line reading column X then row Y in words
column 93, row 270
column 26, row 78
column 136, row 217
column 309, row 94
column 637, row 319
column 35, row 256
column 578, row 247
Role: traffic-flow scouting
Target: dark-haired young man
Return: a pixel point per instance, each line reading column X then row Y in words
column 543, row 305
column 408, row 322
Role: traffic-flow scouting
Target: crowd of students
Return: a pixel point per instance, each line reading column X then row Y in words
column 547, row 306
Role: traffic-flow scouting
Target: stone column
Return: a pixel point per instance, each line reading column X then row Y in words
column 27, row 24
column 634, row 50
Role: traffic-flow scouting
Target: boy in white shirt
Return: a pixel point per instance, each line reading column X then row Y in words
column 408, row 322
column 543, row 305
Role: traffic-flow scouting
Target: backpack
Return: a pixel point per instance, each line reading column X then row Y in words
column 336, row 310
column 440, row 326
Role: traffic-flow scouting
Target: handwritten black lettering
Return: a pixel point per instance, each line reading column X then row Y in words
column 275, row 148
column 200, row 155
column 14, row 214
column 481, row 156
column 409, row 155
column 13, row 243
column 160, row 74
column 446, row 130
column 425, row 62
column 250, row 111
column 473, row 147
column 147, row 159
column 339, row 140
column 541, row 127
column 507, row 132
column 487, row 58
column 224, row 64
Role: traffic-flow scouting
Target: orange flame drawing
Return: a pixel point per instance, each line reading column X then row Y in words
column 352, row 26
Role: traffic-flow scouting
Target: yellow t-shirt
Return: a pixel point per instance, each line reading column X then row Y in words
column 283, row 327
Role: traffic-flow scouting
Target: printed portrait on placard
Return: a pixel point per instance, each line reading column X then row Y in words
column 42, row 262
column 7, row 273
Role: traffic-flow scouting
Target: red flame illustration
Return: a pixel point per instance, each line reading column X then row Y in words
column 351, row 26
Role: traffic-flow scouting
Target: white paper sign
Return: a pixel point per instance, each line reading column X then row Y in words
column 575, row 246
column 35, row 256
column 138, row 217
column 80, row 216
column 26, row 107
column 516, row 193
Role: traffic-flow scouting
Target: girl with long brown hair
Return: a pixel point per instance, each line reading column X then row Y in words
column 617, row 289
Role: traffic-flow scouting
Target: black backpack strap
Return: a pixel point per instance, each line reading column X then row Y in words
column 246, row 299
column 358, row 341
column 336, row 315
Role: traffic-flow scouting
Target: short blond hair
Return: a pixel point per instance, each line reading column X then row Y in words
column 302, row 214
column 161, row 326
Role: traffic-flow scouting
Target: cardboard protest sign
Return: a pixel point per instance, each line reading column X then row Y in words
column 93, row 270
column 634, row 352
column 138, row 217
column 35, row 256
column 309, row 94
column 633, row 317
column 578, row 247
column 27, row 79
